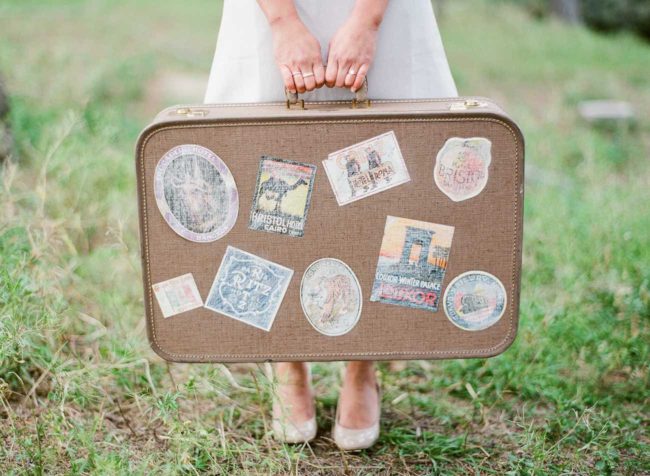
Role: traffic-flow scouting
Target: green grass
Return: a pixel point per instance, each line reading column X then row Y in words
column 80, row 390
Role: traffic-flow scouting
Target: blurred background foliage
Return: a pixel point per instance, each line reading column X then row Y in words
column 601, row 15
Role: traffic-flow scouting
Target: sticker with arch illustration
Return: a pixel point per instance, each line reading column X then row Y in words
column 412, row 263
column 196, row 193
column 330, row 296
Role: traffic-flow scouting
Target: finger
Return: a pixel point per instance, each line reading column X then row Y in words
column 361, row 76
column 297, row 78
column 319, row 74
column 344, row 67
column 351, row 75
column 331, row 72
column 308, row 77
column 287, row 78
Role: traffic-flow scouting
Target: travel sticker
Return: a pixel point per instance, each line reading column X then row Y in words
column 282, row 196
column 366, row 168
column 177, row 295
column 475, row 300
column 461, row 170
column 248, row 288
column 196, row 193
column 412, row 263
column 330, row 296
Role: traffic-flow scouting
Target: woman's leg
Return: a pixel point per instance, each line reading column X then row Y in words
column 358, row 402
column 294, row 390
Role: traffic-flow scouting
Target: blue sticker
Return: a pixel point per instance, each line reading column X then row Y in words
column 248, row 288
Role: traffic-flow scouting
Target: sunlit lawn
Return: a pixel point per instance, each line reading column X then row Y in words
column 81, row 391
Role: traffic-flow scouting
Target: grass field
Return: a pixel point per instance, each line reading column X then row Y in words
column 80, row 390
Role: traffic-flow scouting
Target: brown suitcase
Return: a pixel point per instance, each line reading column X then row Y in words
column 437, row 292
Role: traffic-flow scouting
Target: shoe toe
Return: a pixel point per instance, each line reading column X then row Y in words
column 289, row 432
column 350, row 439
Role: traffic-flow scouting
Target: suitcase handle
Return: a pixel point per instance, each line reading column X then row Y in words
column 360, row 97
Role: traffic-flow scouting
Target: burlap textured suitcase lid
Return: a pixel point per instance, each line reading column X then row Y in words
column 487, row 228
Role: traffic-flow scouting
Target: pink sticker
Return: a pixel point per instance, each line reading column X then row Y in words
column 461, row 170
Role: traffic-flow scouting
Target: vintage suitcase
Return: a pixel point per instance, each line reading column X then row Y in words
column 333, row 231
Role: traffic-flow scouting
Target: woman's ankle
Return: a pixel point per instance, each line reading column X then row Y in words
column 360, row 373
column 292, row 373
column 293, row 393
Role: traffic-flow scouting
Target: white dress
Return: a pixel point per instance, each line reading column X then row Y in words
column 410, row 60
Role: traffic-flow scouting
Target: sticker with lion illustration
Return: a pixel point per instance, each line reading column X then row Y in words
column 462, row 165
column 196, row 193
column 282, row 196
column 330, row 295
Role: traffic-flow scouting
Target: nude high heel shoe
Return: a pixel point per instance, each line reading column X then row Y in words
column 350, row 439
column 288, row 431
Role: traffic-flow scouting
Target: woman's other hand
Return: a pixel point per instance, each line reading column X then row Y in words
column 297, row 52
column 352, row 49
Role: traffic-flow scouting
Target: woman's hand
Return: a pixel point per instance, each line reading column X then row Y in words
column 297, row 54
column 352, row 49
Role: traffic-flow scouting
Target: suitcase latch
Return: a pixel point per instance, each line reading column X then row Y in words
column 467, row 104
column 191, row 112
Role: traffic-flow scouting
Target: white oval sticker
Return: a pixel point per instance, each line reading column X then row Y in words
column 462, row 166
column 196, row 193
column 330, row 296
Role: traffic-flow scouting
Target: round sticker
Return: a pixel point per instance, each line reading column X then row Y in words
column 196, row 193
column 461, row 170
column 330, row 296
column 475, row 300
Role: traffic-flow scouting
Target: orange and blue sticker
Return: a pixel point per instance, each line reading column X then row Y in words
column 412, row 263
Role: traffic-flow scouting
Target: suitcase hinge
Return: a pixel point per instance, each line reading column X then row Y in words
column 299, row 102
column 360, row 104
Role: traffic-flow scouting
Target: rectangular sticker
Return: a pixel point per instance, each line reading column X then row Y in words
column 366, row 168
column 412, row 263
column 177, row 295
column 282, row 196
column 248, row 288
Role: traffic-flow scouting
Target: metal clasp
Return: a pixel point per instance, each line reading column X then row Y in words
column 299, row 102
column 191, row 112
column 364, row 103
column 467, row 104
